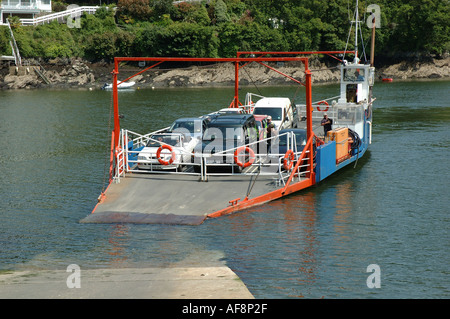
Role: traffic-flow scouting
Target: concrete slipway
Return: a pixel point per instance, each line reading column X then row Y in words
column 128, row 283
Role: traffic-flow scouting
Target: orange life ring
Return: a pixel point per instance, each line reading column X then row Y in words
column 247, row 150
column 288, row 160
column 158, row 154
column 322, row 102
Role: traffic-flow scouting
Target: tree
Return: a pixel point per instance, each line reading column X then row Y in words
column 221, row 14
column 131, row 10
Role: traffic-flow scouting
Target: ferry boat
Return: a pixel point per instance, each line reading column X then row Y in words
column 205, row 183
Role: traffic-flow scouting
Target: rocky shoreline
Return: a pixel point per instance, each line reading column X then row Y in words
column 76, row 73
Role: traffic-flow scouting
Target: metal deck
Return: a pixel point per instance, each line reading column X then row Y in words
column 174, row 199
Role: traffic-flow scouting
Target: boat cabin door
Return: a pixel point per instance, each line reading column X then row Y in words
column 355, row 83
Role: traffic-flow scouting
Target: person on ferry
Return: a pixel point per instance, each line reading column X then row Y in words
column 271, row 131
column 326, row 123
column 358, row 76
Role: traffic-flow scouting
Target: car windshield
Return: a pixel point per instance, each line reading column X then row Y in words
column 158, row 139
column 191, row 125
column 274, row 112
column 300, row 139
column 223, row 132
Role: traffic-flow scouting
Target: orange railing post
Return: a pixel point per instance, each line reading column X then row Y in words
column 111, row 157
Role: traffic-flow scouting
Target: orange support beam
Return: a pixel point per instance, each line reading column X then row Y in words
column 116, row 105
column 236, row 61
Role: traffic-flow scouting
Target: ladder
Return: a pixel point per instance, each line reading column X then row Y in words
column 42, row 75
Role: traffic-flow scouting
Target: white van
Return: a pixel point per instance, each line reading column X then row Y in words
column 279, row 108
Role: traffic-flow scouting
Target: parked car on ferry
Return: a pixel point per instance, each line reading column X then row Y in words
column 280, row 109
column 227, row 132
column 284, row 142
column 192, row 126
column 167, row 151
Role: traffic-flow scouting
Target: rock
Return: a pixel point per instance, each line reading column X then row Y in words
column 21, row 82
column 434, row 69
column 65, row 72
column 91, row 78
column 138, row 78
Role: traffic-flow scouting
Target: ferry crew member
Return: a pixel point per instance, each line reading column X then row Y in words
column 271, row 132
column 326, row 123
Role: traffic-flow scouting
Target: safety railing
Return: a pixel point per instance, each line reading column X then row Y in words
column 73, row 13
column 14, row 47
column 268, row 161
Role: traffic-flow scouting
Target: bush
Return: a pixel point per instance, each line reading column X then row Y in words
column 5, row 48
column 100, row 46
column 178, row 39
column 249, row 37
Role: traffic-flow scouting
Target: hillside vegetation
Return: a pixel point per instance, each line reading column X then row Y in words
column 219, row 28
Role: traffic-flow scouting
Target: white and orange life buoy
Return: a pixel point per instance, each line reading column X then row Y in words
column 288, row 160
column 320, row 103
column 172, row 155
column 244, row 149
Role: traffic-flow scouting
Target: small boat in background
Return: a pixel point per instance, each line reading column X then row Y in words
column 387, row 79
column 121, row 86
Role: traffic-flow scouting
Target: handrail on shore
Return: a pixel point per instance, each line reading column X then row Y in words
column 74, row 13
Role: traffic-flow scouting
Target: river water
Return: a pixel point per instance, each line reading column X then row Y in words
column 390, row 210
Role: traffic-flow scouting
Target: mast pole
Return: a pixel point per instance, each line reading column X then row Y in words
column 236, row 84
column 356, row 30
column 372, row 48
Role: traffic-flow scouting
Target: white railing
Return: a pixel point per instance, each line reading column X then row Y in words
column 73, row 13
column 272, row 162
column 14, row 47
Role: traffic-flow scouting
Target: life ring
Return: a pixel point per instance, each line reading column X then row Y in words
column 158, row 154
column 322, row 102
column 245, row 149
column 288, row 160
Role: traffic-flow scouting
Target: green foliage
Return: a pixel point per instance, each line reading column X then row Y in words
column 178, row 39
column 222, row 27
column 420, row 26
column 249, row 37
column 131, row 10
column 100, row 46
column 47, row 41
column 5, row 48
column 14, row 22
column 221, row 13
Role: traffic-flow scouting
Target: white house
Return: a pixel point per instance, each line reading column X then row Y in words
column 23, row 8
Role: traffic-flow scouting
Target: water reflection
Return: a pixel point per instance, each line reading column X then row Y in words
column 281, row 236
column 301, row 218
column 343, row 209
column 119, row 241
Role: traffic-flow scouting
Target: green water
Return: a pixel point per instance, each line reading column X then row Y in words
column 390, row 210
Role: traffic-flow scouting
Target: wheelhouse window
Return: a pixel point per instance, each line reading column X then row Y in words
column 354, row 75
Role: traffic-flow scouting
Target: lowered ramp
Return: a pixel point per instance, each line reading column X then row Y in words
column 173, row 198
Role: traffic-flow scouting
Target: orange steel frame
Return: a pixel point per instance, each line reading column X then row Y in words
column 236, row 60
column 260, row 59
column 289, row 187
